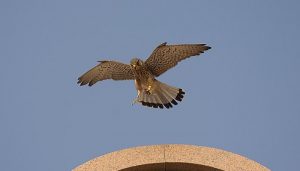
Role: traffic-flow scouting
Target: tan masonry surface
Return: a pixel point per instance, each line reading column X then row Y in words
column 171, row 157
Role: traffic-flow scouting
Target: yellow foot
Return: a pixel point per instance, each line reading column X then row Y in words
column 148, row 90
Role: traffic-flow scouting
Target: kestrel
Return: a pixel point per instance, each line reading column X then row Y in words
column 150, row 91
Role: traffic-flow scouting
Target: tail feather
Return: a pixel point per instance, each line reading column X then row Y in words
column 164, row 99
column 161, row 96
column 171, row 90
column 158, row 101
column 151, row 101
column 142, row 97
column 170, row 95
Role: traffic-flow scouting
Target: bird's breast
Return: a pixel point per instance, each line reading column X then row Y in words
column 143, row 78
column 142, row 73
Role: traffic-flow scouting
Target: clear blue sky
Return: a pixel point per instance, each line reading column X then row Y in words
column 243, row 95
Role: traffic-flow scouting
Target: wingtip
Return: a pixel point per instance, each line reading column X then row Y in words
column 79, row 81
column 163, row 44
column 205, row 46
column 103, row 61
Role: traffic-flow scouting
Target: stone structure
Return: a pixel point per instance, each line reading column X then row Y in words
column 171, row 157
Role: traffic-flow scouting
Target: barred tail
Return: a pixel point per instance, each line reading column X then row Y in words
column 161, row 95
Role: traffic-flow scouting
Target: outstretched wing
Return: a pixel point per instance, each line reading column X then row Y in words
column 106, row 70
column 166, row 56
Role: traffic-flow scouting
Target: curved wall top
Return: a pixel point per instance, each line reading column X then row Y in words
column 171, row 157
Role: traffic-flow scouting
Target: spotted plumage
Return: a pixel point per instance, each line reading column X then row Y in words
column 151, row 92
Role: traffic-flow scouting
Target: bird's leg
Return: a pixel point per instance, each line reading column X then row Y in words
column 136, row 100
column 148, row 90
column 150, row 85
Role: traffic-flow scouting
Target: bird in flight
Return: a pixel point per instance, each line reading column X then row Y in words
column 150, row 91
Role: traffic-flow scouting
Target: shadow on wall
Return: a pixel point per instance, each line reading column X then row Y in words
column 171, row 167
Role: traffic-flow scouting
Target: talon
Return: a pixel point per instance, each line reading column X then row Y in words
column 134, row 101
column 148, row 90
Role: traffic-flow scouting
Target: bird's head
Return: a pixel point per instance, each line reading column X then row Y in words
column 136, row 63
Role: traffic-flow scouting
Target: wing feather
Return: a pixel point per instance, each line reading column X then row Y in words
column 166, row 56
column 106, row 70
